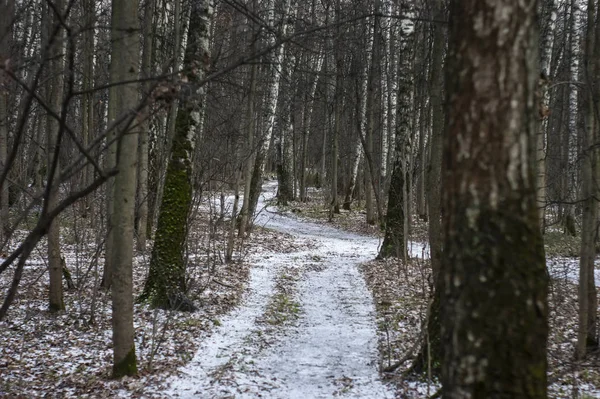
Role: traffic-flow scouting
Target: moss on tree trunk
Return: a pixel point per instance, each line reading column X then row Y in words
column 126, row 367
column 165, row 287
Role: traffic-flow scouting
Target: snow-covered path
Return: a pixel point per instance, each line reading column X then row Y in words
column 331, row 350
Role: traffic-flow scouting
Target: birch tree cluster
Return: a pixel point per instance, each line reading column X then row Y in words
column 124, row 117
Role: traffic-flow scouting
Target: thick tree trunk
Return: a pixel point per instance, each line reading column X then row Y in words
column 369, row 118
column 547, row 41
column 125, row 48
column 165, row 286
column 572, row 115
column 308, row 111
column 394, row 240
column 111, row 163
column 494, row 303
column 170, row 125
column 283, row 142
column 356, row 160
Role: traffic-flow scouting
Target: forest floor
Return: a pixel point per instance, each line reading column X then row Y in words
column 306, row 312
column 69, row 355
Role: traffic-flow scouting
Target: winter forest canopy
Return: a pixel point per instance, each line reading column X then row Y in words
column 283, row 198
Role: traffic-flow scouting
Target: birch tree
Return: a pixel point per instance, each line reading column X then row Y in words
column 394, row 242
column 272, row 90
column 165, row 286
column 494, row 301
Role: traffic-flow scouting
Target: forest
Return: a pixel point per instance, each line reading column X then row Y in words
column 299, row 199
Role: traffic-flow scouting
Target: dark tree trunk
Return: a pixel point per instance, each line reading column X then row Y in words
column 494, row 298
column 393, row 243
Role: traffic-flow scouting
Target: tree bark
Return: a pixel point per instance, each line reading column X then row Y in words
column 165, row 287
column 87, row 101
column 6, row 21
column 431, row 350
column 274, row 79
column 494, row 298
column 587, row 338
column 338, row 107
column 55, row 98
column 547, row 40
column 395, row 239
column 125, row 48
column 142, row 219
column 245, row 214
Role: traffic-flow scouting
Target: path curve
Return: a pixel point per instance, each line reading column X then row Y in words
column 330, row 351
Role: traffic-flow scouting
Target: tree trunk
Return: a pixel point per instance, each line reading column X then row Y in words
column 431, row 350
column 309, row 105
column 165, row 287
column 125, row 48
column 87, row 101
column 369, row 122
column 547, row 40
column 283, row 145
column 395, row 239
column 177, row 55
column 6, row 21
column 142, row 219
column 494, row 296
column 274, row 79
column 53, row 153
column 250, row 153
column 587, row 338
column 338, row 108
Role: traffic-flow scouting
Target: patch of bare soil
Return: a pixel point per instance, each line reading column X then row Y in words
column 70, row 354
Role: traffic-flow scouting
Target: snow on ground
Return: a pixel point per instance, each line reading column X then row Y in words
column 568, row 269
column 69, row 355
column 331, row 350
